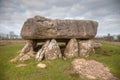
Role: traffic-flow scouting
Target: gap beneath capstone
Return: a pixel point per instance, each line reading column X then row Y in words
column 66, row 49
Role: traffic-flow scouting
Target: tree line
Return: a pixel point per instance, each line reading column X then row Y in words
column 109, row 37
column 10, row 35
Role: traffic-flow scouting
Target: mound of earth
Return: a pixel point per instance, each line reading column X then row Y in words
column 92, row 69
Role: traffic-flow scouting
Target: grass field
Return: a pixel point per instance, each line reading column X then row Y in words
column 109, row 55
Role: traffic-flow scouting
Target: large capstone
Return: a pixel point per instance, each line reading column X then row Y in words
column 44, row 28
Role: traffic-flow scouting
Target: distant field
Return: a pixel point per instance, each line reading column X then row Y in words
column 111, row 43
column 9, row 42
column 108, row 54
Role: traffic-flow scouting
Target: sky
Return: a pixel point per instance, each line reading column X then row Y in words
column 13, row 13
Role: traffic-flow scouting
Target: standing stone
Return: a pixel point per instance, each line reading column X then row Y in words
column 27, row 49
column 71, row 49
column 50, row 51
column 53, row 51
column 41, row 53
column 29, row 46
column 86, row 48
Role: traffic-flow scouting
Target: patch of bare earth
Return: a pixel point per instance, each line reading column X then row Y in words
column 68, row 69
column 91, row 69
column 21, row 65
column 73, row 73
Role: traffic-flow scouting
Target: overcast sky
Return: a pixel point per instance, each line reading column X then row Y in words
column 13, row 13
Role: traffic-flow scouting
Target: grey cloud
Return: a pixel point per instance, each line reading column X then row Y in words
column 106, row 12
column 45, row 4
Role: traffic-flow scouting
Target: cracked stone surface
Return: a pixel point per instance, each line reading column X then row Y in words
column 91, row 69
column 49, row 51
column 86, row 48
column 53, row 51
column 43, row 28
column 71, row 49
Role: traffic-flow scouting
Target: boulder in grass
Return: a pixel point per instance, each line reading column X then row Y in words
column 21, row 65
column 41, row 65
column 91, row 69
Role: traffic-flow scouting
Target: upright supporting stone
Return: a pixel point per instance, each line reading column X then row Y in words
column 26, row 52
column 71, row 49
column 29, row 47
column 86, row 48
column 50, row 51
column 41, row 53
column 53, row 51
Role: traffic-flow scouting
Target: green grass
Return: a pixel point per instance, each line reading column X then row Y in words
column 109, row 55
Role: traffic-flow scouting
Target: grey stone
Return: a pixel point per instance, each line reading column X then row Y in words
column 71, row 49
column 26, row 52
column 49, row 51
column 41, row 53
column 29, row 46
column 21, row 65
column 86, row 48
column 53, row 51
column 91, row 69
column 41, row 65
column 24, row 57
column 44, row 28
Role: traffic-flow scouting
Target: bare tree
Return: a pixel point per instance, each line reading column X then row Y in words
column 11, row 34
column 118, row 37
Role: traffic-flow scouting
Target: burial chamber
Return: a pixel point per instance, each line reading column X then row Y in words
column 77, row 34
column 41, row 28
